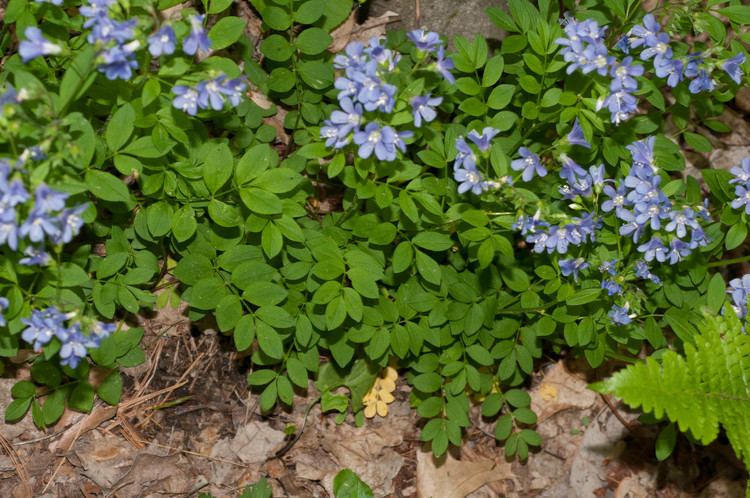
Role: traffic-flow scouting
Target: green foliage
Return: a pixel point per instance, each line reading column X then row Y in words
column 701, row 390
column 301, row 252
column 347, row 484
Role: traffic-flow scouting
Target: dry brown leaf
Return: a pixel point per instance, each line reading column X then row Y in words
column 350, row 31
column 456, row 478
column 560, row 390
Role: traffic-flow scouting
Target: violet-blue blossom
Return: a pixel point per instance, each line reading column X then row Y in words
column 739, row 289
column 529, row 164
column 186, row 99
column 469, row 179
column 619, row 315
column 376, row 139
column 348, row 118
column 162, row 42
column 426, row 41
column 73, row 348
column 576, row 137
column 743, row 198
column 733, row 67
column 36, row 45
column 197, row 39
column 444, row 65
column 612, row 287
column 572, row 267
column 4, row 303
column 423, row 108
column 482, row 141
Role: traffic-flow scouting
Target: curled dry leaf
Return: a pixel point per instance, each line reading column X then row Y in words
column 350, row 31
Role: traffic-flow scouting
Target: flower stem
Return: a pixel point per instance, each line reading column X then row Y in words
column 727, row 262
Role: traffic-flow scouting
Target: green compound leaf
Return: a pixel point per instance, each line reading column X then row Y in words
column 712, row 376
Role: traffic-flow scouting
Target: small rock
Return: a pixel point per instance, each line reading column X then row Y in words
column 447, row 17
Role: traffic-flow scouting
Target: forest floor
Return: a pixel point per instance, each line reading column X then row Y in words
column 188, row 424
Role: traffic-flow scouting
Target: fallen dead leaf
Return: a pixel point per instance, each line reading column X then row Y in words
column 457, row 478
column 560, row 390
column 105, row 458
column 350, row 31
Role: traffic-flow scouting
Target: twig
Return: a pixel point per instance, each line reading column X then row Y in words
column 616, row 413
column 288, row 446
column 418, row 14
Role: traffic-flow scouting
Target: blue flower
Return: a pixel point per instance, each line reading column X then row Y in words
column 529, row 224
column 42, row 326
column 572, row 266
column 576, row 136
column 671, row 69
column 210, row 95
column 348, row 118
column 39, row 225
column 640, row 32
column 426, row 41
column 643, row 152
column 9, row 228
column 678, row 250
column 384, row 101
column 465, row 157
column 332, row 135
column 422, row 107
column 612, row 287
column 742, row 172
column 654, row 249
column 4, row 303
column 71, row 223
column 739, row 289
column 642, row 271
column 570, row 170
column 619, row 315
column 36, row 45
column 743, row 198
column 658, row 48
column 616, row 199
column 10, row 96
column 483, row 141
column 621, row 106
column 624, row 74
column 118, row 61
column 469, row 179
column 681, row 220
column 379, row 140
column 529, row 163
column 609, row 267
column 733, row 67
column 234, row 89
column 73, row 348
column 197, row 40
column 162, row 42
column 443, row 65
column 354, row 57
column 702, row 83
column 186, row 100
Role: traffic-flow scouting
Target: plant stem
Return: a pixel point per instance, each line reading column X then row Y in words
column 727, row 262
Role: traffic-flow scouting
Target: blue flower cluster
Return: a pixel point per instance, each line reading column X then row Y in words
column 209, row 94
column 642, row 206
column 115, row 40
column 34, row 220
column 741, row 181
column 558, row 238
column 585, row 50
column 365, row 95
column 465, row 166
column 45, row 324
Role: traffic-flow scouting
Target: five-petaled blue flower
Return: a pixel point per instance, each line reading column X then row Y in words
column 529, row 163
column 162, row 42
column 422, row 107
column 197, row 39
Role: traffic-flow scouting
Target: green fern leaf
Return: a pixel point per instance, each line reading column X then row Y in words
column 709, row 386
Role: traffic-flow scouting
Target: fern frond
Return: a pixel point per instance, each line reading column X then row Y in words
column 709, row 386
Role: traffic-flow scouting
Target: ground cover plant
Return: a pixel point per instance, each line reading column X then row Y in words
column 404, row 207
